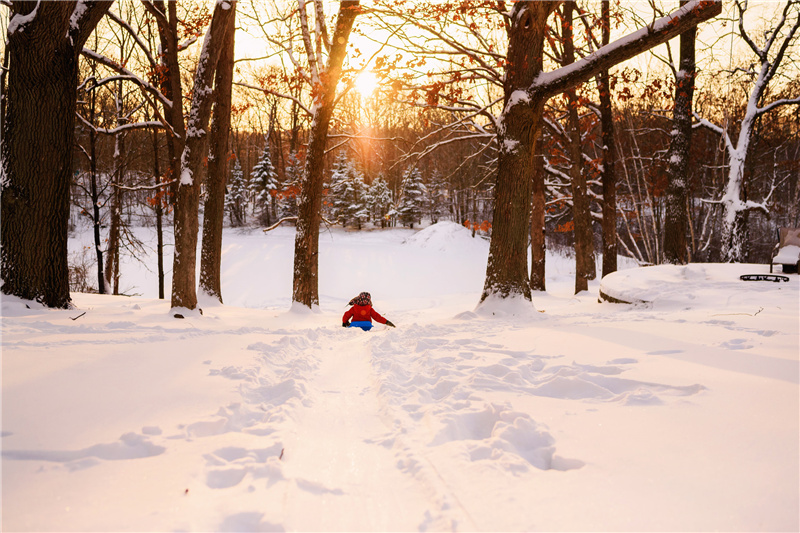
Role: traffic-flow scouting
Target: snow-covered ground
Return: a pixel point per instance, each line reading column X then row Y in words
column 676, row 414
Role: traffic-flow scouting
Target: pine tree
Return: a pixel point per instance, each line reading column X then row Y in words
column 380, row 201
column 340, row 194
column 236, row 199
column 287, row 197
column 413, row 198
column 265, row 185
column 348, row 194
column 360, row 205
column 436, row 198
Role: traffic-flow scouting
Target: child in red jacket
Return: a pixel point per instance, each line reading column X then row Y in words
column 362, row 313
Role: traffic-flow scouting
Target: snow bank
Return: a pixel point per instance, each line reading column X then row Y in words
column 698, row 286
column 445, row 236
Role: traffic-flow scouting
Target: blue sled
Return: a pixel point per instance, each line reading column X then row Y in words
column 366, row 325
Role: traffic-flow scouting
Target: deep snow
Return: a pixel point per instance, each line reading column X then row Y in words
column 680, row 413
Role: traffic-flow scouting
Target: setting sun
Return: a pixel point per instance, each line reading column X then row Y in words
column 366, row 83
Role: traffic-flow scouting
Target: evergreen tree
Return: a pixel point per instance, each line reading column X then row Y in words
column 380, row 201
column 348, row 194
column 288, row 195
column 437, row 198
column 264, row 185
column 360, row 205
column 413, row 199
column 340, row 194
column 236, row 199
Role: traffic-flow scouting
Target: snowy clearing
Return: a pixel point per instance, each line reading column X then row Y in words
column 676, row 414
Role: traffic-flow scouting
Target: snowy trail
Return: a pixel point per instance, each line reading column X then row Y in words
column 678, row 415
column 335, row 456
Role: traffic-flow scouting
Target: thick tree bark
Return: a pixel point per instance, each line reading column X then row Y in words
column 609, row 156
column 581, row 214
column 44, row 40
column 526, row 91
column 184, row 291
column 211, row 251
column 305, row 287
column 676, row 214
column 507, row 268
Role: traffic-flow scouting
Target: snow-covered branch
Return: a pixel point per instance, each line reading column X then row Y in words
column 135, row 35
column 660, row 31
column 122, row 128
column 127, row 75
column 144, row 187
column 276, row 93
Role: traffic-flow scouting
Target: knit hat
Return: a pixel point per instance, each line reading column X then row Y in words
column 362, row 299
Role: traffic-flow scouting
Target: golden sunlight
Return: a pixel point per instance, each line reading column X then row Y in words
column 366, row 83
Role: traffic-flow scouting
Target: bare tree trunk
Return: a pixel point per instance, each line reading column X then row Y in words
column 211, row 253
column 159, row 211
column 166, row 16
column 96, row 221
column 609, row 156
column 581, row 214
column 305, row 288
column 676, row 214
column 38, row 138
column 538, row 244
column 112, row 250
column 184, row 292
column 507, row 267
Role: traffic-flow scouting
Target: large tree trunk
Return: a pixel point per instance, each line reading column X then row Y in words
column 525, row 95
column 507, row 267
column 184, row 265
column 211, row 252
column 38, row 138
column 305, row 287
column 609, row 155
column 581, row 214
column 676, row 215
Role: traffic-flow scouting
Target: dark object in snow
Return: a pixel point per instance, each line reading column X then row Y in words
column 362, row 313
column 763, row 277
column 178, row 315
column 77, row 317
column 186, row 492
column 787, row 252
column 281, row 456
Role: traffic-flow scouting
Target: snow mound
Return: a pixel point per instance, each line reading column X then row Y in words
column 443, row 236
column 514, row 307
column 695, row 285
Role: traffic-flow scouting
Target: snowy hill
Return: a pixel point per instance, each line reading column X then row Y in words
column 677, row 414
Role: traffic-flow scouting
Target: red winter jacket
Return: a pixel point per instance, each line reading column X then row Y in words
column 362, row 313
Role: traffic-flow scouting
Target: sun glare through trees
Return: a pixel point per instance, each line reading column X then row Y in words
column 495, row 105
